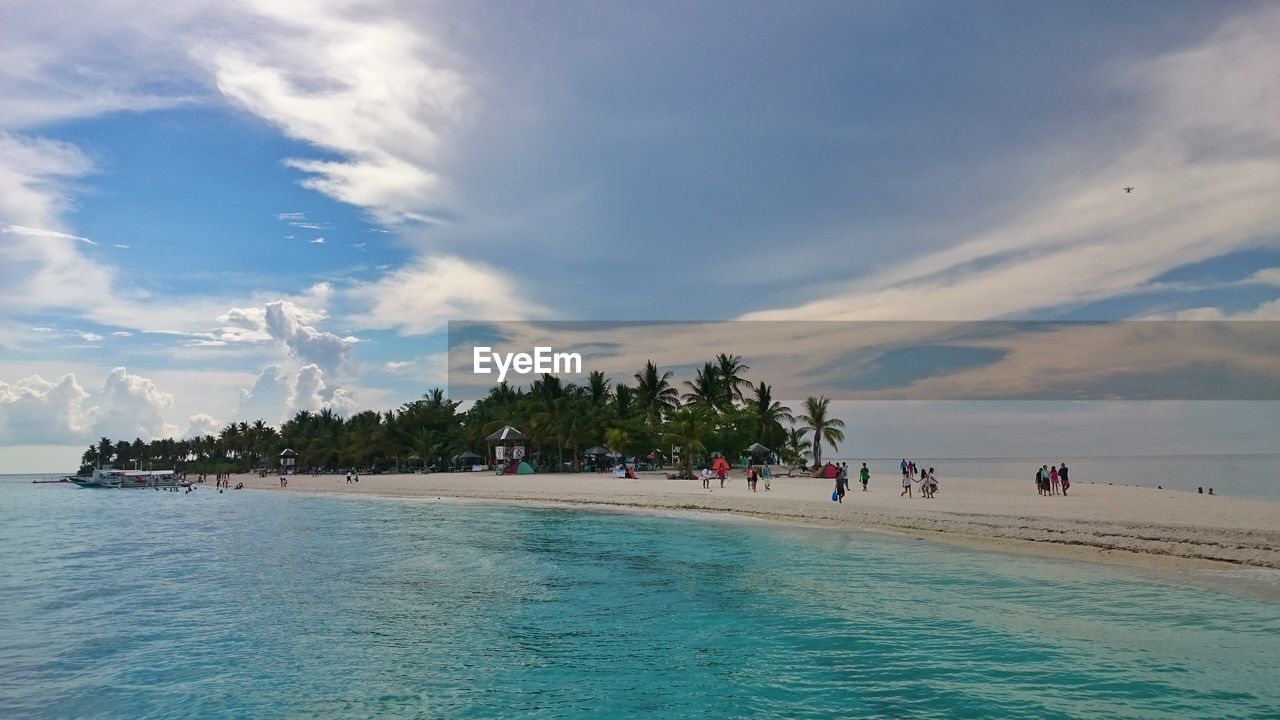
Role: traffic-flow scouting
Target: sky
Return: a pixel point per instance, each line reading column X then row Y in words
column 216, row 211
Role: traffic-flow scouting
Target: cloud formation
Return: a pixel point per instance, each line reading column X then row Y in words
column 1207, row 175
column 423, row 297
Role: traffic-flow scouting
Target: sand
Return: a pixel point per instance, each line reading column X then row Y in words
column 1129, row 525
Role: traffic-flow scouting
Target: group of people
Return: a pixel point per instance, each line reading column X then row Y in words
column 842, row 480
column 928, row 480
column 352, row 476
column 1052, row 480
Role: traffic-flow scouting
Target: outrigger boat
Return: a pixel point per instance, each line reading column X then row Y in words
column 112, row 478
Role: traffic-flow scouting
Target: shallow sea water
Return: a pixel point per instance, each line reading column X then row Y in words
column 131, row 604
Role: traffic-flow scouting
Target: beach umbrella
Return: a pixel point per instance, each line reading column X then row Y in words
column 597, row 450
column 467, row 455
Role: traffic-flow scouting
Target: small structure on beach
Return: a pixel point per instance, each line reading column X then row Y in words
column 506, row 445
column 466, row 459
column 759, row 453
column 288, row 461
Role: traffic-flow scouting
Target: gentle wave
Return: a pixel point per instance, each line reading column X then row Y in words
column 144, row 604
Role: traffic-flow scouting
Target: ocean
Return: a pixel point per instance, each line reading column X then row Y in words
column 141, row 604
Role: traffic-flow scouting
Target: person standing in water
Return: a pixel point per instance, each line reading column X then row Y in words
column 865, row 476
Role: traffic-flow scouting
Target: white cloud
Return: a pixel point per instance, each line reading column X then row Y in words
column 37, row 232
column 132, row 405
column 318, row 241
column 1267, row 276
column 120, row 246
column 1265, row 311
column 90, row 337
column 266, row 398
column 353, row 81
column 201, row 424
column 311, row 392
column 421, row 298
column 34, row 410
column 122, row 333
column 430, row 369
column 291, row 325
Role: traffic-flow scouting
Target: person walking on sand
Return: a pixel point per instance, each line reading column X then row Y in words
column 721, row 475
column 348, row 477
column 705, row 475
column 1040, row 480
column 767, row 475
column 751, row 477
column 865, row 476
column 933, row 483
column 1062, row 478
column 906, row 484
column 839, row 487
column 1053, row 480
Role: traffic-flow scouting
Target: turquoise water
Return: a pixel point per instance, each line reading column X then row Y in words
column 131, row 604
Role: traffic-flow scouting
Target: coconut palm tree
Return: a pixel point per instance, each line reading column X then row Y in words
column 688, row 428
column 654, row 391
column 769, row 414
column 795, row 447
column 705, row 387
column 619, row 441
column 824, row 428
column 732, row 374
column 597, row 388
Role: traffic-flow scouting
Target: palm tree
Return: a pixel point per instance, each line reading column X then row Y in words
column 105, row 450
column 617, row 440
column 624, row 399
column 769, row 414
column 688, row 428
column 823, row 428
column 654, row 390
column 597, row 388
column 795, row 447
column 730, row 369
column 705, row 387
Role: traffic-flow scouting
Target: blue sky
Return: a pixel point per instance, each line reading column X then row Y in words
column 595, row 161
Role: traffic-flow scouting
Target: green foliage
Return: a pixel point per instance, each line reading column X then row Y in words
column 559, row 420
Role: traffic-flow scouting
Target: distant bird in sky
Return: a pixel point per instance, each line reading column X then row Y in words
column 1128, row 189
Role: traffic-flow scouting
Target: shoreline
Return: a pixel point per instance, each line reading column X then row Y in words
column 1136, row 527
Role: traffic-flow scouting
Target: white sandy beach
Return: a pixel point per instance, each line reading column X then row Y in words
column 1131, row 525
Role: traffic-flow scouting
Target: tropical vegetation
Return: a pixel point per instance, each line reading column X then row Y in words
column 719, row 412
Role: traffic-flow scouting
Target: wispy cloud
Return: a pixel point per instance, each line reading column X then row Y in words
column 1207, row 171
column 318, row 241
column 383, row 114
column 39, row 232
